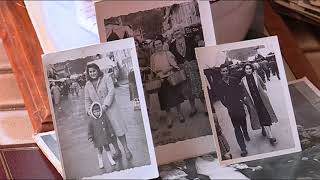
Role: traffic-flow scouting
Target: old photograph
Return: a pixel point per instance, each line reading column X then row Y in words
column 203, row 167
column 47, row 142
column 165, row 39
column 306, row 164
column 99, row 111
column 302, row 165
column 247, row 94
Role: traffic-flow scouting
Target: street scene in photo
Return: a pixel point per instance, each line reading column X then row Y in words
column 97, row 110
column 249, row 100
column 165, row 40
column 303, row 165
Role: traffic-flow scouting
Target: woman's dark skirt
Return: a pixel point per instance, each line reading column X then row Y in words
column 169, row 96
column 264, row 117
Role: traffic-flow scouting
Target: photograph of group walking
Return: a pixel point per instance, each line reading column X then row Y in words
column 97, row 110
column 166, row 38
column 249, row 100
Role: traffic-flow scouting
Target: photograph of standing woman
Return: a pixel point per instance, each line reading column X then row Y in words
column 255, row 115
column 166, row 39
column 100, row 89
column 101, row 128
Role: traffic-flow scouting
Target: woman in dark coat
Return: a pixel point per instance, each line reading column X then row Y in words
column 258, row 103
column 183, row 49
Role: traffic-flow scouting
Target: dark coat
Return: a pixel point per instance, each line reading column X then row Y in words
column 254, row 118
column 105, row 95
column 190, row 52
column 231, row 97
column 99, row 129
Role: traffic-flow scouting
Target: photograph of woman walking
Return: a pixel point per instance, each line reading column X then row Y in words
column 255, row 115
column 258, row 104
column 101, row 133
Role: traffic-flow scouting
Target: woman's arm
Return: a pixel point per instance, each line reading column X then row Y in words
column 152, row 65
column 87, row 99
column 172, row 60
column 90, row 131
column 111, row 92
column 243, row 92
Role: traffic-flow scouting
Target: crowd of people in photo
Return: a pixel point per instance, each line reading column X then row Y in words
column 241, row 88
column 172, row 62
column 61, row 89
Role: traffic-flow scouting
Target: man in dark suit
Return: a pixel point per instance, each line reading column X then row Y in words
column 230, row 94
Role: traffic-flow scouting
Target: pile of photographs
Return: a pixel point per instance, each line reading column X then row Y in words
column 307, row 10
column 159, row 99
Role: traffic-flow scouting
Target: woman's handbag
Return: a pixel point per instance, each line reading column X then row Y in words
column 152, row 85
column 177, row 77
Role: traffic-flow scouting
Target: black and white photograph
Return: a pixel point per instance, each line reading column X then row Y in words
column 99, row 112
column 47, row 142
column 166, row 38
column 248, row 100
column 203, row 167
column 301, row 165
column 306, row 164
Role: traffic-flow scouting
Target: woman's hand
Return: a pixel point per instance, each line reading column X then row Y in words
column 104, row 107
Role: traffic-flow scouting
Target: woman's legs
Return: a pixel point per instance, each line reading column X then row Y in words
column 203, row 101
column 123, row 141
column 169, row 118
column 194, row 110
column 116, row 147
column 180, row 115
column 109, row 155
column 269, row 135
column 100, row 162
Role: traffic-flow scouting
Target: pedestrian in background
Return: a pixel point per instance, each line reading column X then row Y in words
column 55, row 91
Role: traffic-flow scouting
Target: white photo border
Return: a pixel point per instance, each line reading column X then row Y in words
column 147, row 171
column 285, row 89
column 47, row 151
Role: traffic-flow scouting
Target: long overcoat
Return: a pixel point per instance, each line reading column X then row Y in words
column 254, row 118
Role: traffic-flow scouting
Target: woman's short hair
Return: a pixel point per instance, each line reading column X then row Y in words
column 248, row 64
column 95, row 66
column 138, row 42
column 158, row 38
column 223, row 66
